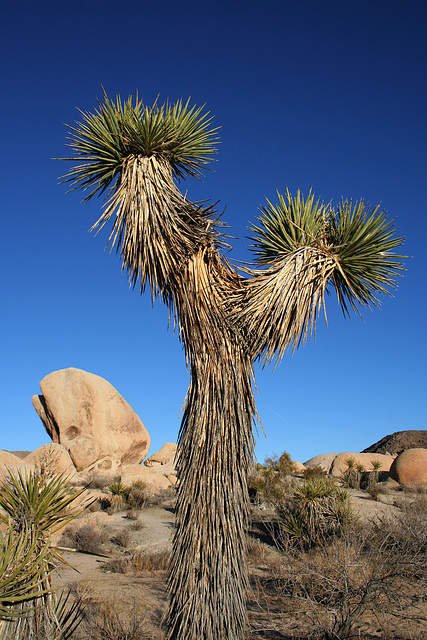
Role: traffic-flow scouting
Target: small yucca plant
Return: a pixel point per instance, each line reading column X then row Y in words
column 34, row 508
column 313, row 512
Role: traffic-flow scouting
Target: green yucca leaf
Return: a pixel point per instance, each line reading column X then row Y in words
column 178, row 132
column 363, row 242
column 293, row 223
column 23, row 562
column 308, row 249
column 31, row 502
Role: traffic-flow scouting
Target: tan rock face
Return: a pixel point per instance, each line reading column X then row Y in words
column 324, row 461
column 52, row 457
column 84, row 413
column 410, row 468
column 164, row 456
column 153, row 479
column 9, row 459
column 299, row 468
column 340, row 465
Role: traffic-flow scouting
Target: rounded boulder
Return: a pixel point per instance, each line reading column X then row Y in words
column 410, row 468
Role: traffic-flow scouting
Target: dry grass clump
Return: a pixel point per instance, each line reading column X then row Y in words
column 133, row 497
column 103, row 621
column 139, row 562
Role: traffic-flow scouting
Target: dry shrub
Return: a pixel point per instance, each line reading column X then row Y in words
column 117, row 503
column 128, row 497
column 272, row 480
column 163, row 497
column 139, row 562
column 131, row 515
column 88, row 538
column 105, row 622
column 312, row 472
column 256, row 551
column 367, row 579
column 121, row 539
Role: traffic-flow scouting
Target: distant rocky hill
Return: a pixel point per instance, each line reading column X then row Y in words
column 399, row 441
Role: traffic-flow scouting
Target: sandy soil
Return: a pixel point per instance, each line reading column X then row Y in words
column 147, row 590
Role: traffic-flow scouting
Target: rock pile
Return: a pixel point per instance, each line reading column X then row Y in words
column 399, row 441
column 96, row 435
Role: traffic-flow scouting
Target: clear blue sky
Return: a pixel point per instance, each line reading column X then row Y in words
column 328, row 95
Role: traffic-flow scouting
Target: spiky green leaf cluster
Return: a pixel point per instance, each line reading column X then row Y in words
column 33, row 508
column 22, row 565
column 30, row 502
column 179, row 132
column 360, row 241
column 291, row 224
column 363, row 241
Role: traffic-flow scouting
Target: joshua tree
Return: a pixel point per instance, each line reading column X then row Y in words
column 135, row 155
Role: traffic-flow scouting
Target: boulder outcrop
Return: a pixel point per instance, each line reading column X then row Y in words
column 366, row 460
column 86, row 414
column 410, row 468
column 164, row 456
column 8, row 459
column 324, row 461
column 150, row 477
column 400, row 441
column 52, row 457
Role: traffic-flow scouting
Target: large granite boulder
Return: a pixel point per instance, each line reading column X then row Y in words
column 366, row 460
column 323, row 460
column 9, row 459
column 84, row 413
column 52, row 458
column 150, row 477
column 165, row 455
column 410, row 468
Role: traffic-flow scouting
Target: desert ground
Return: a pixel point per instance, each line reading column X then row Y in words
column 114, row 585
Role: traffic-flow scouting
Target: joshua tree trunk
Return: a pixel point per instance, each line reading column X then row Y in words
column 207, row 581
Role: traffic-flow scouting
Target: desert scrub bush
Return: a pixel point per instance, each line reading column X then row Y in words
column 88, row 538
column 353, row 475
column 119, row 489
column 350, row 581
column 117, row 503
column 313, row 512
column 165, row 497
column 404, row 537
column 128, row 497
column 271, row 481
column 256, row 551
column 138, row 562
column 312, row 472
column 121, row 539
column 105, row 622
column 131, row 515
column 137, row 497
